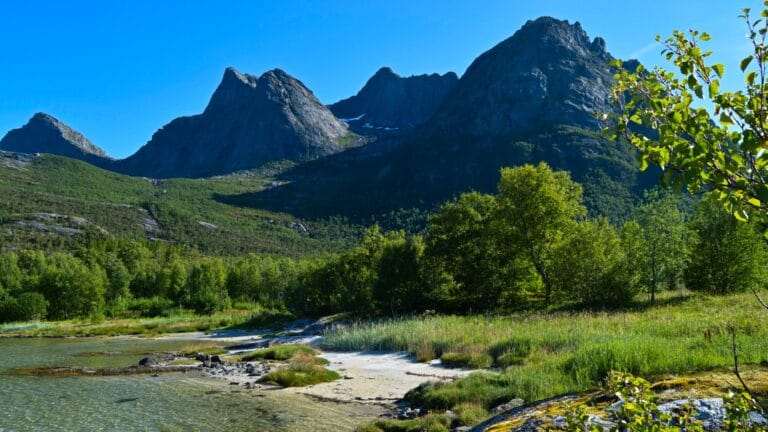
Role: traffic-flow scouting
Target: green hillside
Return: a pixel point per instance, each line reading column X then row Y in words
column 48, row 200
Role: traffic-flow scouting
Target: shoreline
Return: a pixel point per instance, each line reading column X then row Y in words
column 369, row 378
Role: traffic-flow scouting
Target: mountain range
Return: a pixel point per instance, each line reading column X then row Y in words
column 400, row 142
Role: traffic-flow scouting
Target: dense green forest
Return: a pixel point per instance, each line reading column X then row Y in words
column 528, row 246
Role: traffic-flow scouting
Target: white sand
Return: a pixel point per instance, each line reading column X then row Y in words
column 368, row 377
column 379, row 378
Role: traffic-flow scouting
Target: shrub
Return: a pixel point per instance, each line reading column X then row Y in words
column 32, row 306
column 26, row 307
column 206, row 285
column 729, row 255
column 72, row 288
column 590, row 266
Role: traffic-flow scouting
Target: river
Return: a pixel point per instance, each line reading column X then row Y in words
column 168, row 402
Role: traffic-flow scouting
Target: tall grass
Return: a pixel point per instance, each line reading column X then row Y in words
column 178, row 322
column 557, row 353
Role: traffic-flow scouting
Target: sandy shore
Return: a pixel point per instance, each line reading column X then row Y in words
column 379, row 378
column 368, row 377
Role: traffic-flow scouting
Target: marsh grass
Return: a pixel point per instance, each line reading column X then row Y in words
column 541, row 355
column 206, row 348
column 428, row 423
column 182, row 321
column 303, row 369
column 279, row 352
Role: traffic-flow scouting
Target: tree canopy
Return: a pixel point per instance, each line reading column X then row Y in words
column 703, row 138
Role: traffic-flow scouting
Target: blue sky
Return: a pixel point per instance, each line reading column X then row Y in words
column 118, row 70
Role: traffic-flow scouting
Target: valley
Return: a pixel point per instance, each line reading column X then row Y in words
column 554, row 239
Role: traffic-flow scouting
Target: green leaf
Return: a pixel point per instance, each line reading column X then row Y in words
column 725, row 119
column 740, row 215
column 754, row 202
column 719, row 70
column 714, row 88
column 750, row 78
column 745, row 63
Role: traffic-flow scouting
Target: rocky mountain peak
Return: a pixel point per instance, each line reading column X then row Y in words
column 385, row 73
column 250, row 120
column 547, row 73
column 44, row 133
column 388, row 101
column 551, row 36
column 235, row 89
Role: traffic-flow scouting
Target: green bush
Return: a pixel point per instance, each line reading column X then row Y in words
column 148, row 307
column 729, row 255
column 206, row 286
column 72, row 288
column 32, row 306
column 590, row 266
column 28, row 306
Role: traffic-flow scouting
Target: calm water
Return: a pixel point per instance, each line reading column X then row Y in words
column 170, row 402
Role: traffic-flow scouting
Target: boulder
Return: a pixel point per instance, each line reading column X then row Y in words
column 149, row 362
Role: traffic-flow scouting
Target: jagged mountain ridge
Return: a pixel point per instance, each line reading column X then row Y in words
column 44, row 133
column 249, row 121
column 391, row 102
column 549, row 72
column 530, row 98
column 533, row 97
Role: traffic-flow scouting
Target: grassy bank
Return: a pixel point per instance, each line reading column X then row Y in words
column 537, row 356
column 182, row 321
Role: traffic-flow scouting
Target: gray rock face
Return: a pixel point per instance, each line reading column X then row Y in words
column 547, row 73
column 390, row 101
column 46, row 134
column 249, row 121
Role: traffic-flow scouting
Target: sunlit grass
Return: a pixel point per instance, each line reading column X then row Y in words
column 541, row 355
column 302, row 370
column 180, row 322
column 279, row 352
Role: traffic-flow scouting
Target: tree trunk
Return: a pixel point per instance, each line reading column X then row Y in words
column 653, row 282
column 541, row 269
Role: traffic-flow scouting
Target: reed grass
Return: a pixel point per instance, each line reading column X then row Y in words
column 302, row 370
column 541, row 355
column 180, row 322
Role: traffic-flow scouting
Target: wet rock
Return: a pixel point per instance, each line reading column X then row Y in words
column 149, row 362
column 514, row 403
column 407, row 413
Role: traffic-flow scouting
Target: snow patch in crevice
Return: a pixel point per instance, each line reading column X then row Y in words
column 351, row 119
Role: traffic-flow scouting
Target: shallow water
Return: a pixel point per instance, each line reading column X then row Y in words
column 169, row 402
